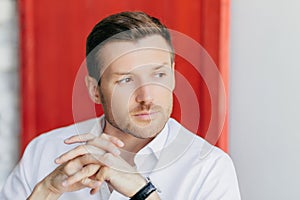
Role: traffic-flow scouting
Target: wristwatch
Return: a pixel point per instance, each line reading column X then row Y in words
column 143, row 193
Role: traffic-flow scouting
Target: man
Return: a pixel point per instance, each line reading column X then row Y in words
column 134, row 151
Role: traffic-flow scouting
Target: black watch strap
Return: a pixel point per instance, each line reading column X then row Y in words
column 143, row 193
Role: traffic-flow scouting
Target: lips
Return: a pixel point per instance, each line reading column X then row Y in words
column 148, row 115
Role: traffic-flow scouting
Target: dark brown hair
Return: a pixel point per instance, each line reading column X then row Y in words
column 124, row 26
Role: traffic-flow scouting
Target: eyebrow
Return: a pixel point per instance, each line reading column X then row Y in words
column 121, row 73
column 160, row 66
column 128, row 73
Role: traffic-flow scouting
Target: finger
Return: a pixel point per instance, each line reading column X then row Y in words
column 78, row 151
column 115, row 162
column 76, row 164
column 94, row 190
column 104, row 141
column 79, row 138
column 85, row 172
column 82, row 176
column 72, row 167
column 103, row 174
column 87, row 182
column 107, row 159
column 113, row 139
column 107, row 143
column 88, row 136
column 90, row 183
column 106, row 146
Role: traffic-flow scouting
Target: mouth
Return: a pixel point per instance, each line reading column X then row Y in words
column 145, row 115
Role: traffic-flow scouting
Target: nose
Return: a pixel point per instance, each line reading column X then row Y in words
column 144, row 94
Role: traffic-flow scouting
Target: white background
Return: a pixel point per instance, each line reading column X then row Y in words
column 9, row 88
column 265, row 98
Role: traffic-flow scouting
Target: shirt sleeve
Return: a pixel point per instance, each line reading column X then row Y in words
column 17, row 184
column 221, row 182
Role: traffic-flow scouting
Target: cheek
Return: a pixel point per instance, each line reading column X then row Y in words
column 120, row 101
column 163, row 93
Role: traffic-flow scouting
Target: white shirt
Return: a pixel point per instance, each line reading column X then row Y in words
column 179, row 163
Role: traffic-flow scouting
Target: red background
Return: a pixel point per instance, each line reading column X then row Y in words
column 53, row 35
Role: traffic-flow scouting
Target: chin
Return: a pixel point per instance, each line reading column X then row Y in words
column 145, row 132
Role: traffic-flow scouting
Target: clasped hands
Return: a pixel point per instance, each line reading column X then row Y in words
column 96, row 160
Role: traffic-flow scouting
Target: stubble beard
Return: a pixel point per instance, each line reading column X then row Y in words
column 127, row 125
column 145, row 130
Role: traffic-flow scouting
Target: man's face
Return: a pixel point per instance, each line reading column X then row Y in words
column 137, row 84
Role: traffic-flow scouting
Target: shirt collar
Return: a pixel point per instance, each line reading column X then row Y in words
column 98, row 127
column 157, row 144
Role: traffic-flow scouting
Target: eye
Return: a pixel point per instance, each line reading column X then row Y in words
column 124, row 80
column 160, row 74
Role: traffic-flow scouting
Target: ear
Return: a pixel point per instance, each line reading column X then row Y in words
column 92, row 86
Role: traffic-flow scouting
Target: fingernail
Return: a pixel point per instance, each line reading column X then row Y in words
column 65, row 183
column 120, row 143
column 57, row 160
column 117, row 151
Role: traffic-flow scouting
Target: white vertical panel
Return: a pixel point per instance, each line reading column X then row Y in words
column 265, row 98
column 9, row 86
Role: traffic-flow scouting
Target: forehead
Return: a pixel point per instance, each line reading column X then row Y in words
column 126, row 55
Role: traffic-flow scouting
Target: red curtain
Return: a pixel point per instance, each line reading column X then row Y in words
column 53, row 34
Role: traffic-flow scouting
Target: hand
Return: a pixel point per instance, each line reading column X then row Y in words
column 54, row 185
column 103, row 151
column 105, row 142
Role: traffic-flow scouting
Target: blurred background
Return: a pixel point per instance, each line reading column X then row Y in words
column 255, row 45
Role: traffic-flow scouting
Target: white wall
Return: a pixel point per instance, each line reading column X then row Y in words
column 9, row 88
column 265, row 98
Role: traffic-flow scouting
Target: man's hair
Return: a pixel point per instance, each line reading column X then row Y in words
column 124, row 26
